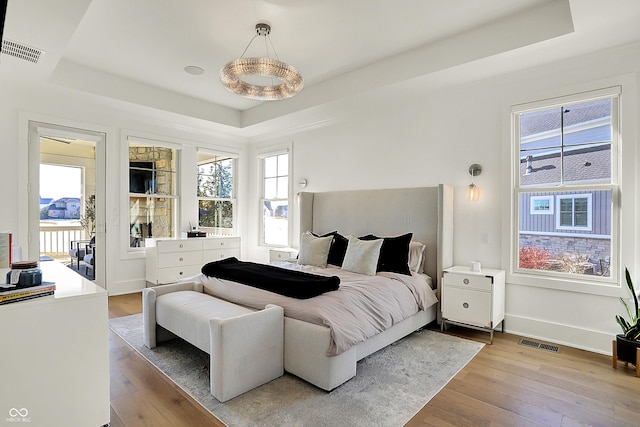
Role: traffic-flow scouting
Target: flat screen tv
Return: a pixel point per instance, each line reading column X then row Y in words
column 141, row 178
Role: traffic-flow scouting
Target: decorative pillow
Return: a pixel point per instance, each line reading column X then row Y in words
column 314, row 250
column 416, row 256
column 362, row 256
column 394, row 255
column 338, row 248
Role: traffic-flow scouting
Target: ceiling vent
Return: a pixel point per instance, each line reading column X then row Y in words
column 21, row 51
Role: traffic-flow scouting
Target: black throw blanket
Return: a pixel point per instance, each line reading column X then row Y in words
column 290, row 283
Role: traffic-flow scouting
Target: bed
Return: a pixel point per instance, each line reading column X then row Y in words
column 312, row 350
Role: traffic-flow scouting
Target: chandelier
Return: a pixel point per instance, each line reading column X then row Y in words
column 286, row 80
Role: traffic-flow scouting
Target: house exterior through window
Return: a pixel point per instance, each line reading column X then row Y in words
column 566, row 189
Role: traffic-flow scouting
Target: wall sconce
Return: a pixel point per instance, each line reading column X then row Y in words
column 473, row 192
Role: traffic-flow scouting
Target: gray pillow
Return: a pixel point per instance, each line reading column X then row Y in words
column 314, row 250
column 362, row 256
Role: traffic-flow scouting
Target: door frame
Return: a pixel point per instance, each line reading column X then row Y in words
column 37, row 127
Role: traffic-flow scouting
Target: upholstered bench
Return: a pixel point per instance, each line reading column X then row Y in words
column 245, row 346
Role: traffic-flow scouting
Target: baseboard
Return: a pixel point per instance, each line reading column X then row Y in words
column 126, row 287
column 583, row 339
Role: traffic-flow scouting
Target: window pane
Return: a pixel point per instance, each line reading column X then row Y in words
column 283, row 164
column 276, row 224
column 152, row 170
column 588, row 122
column 587, row 163
column 537, row 167
column 150, row 217
column 271, row 188
column 215, row 213
column 543, row 246
column 215, row 179
column 271, row 166
column 283, row 188
column 540, row 129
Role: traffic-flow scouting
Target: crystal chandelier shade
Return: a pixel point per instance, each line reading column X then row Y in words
column 287, row 80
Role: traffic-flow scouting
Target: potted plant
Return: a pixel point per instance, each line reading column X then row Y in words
column 629, row 340
column 88, row 220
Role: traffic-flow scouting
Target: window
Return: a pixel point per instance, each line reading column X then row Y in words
column 152, row 192
column 566, row 187
column 275, row 199
column 541, row 205
column 216, row 198
column 574, row 212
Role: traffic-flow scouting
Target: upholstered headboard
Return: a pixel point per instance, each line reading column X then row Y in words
column 427, row 212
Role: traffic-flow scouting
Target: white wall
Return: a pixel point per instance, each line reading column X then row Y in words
column 436, row 138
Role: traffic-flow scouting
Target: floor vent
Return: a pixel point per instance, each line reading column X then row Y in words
column 21, row 51
column 541, row 346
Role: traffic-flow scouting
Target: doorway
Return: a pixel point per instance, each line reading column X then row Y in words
column 66, row 198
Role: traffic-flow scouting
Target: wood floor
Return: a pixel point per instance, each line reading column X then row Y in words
column 506, row 384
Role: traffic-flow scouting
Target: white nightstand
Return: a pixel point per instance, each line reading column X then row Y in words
column 473, row 299
column 282, row 254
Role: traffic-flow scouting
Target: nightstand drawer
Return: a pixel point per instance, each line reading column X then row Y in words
column 470, row 281
column 281, row 254
column 467, row 306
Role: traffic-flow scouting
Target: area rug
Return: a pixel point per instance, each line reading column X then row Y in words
column 389, row 388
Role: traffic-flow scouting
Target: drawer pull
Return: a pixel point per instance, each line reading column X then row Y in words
column 181, row 245
column 181, row 259
column 465, row 281
column 180, row 273
column 221, row 243
column 465, row 305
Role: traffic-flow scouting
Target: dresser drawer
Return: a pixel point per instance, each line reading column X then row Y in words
column 222, row 243
column 467, row 306
column 173, row 274
column 217, row 255
column 470, row 281
column 179, row 245
column 176, row 259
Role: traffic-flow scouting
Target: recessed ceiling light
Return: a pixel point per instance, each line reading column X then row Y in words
column 194, row 70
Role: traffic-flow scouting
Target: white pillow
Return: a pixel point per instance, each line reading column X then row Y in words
column 416, row 254
column 362, row 256
column 314, row 250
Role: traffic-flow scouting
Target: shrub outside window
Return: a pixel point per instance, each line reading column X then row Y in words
column 566, row 188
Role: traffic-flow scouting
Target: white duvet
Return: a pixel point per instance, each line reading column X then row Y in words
column 362, row 307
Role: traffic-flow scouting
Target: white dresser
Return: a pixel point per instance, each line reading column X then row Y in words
column 473, row 299
column 169, row 260
column 55, row 355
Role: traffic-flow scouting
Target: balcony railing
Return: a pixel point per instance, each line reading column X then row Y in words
column 55, row 239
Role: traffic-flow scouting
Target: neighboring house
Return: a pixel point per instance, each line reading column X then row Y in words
column 64, row 208
column 563, row 222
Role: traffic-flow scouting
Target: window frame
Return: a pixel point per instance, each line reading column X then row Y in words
column 558, row 280
column 261, row 156
column 233, row 199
